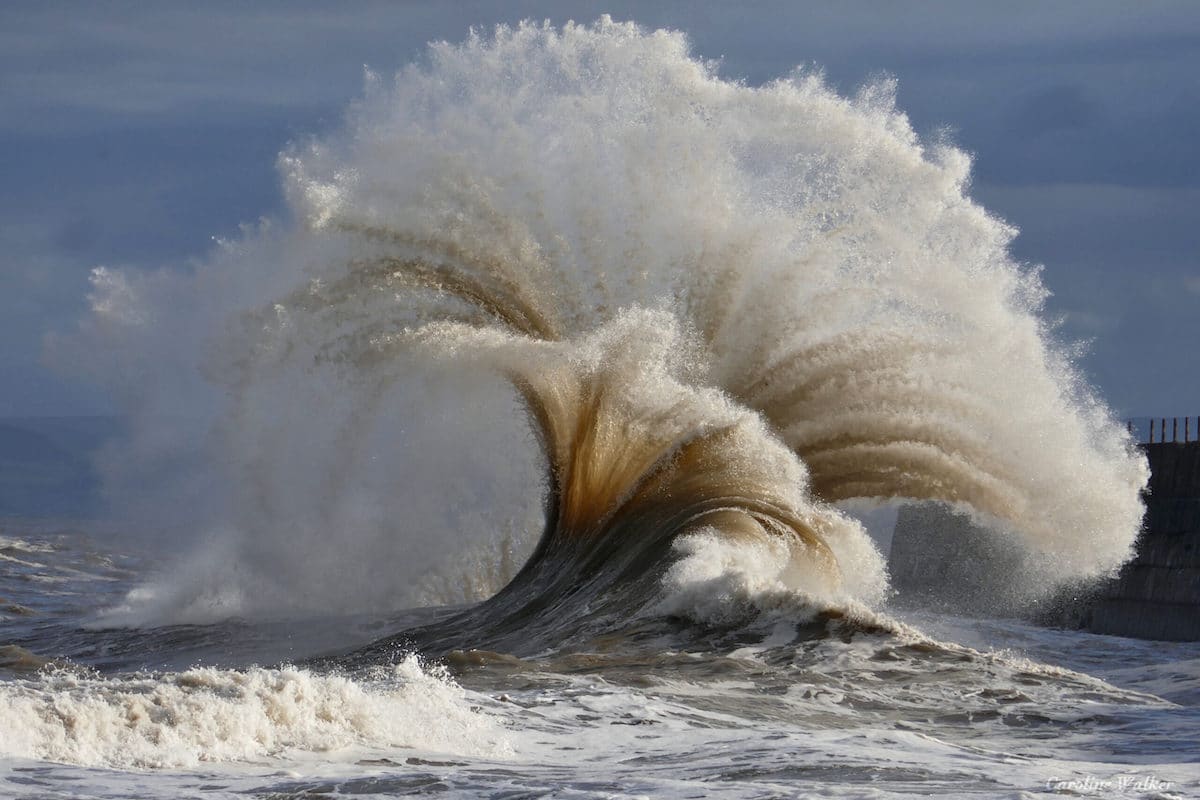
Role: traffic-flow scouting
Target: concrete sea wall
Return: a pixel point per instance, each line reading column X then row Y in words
column 1157, row 595
column 942, row 559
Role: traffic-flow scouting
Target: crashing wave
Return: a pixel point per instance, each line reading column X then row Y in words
column 722, row 308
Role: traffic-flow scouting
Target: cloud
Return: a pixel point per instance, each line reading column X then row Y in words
column 1087, row 323
column 1053, row 109
column 1111, row 228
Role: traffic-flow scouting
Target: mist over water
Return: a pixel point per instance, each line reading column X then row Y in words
column 571, row 279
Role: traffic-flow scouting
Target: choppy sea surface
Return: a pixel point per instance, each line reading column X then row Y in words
column 921, row 704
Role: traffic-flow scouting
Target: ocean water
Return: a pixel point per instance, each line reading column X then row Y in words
column 535, row 452
column 913, row 703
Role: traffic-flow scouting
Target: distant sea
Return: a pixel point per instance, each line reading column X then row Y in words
column 47, row 465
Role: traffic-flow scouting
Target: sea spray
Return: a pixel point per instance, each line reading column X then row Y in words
column 837, row 298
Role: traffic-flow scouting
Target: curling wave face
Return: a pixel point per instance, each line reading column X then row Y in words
column 721, row 308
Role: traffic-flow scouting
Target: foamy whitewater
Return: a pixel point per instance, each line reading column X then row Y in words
column 520, row 460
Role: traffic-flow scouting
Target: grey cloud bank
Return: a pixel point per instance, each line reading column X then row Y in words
column 131, row 134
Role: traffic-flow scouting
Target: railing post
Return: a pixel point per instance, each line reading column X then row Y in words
column 1152, row 430
column 1174, row 429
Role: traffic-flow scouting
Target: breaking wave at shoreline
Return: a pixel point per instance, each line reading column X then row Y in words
column 572, row 285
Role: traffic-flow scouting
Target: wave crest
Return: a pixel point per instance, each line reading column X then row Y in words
column 722, row 308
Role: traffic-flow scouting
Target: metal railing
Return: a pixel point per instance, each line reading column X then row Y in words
column 1163, row 430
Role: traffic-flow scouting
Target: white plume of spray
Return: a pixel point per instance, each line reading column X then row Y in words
column 842, row 283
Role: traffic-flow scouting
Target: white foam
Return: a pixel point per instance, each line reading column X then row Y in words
column 213, row 715
column 723, row 581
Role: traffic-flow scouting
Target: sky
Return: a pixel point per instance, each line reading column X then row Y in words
column 132, row 134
